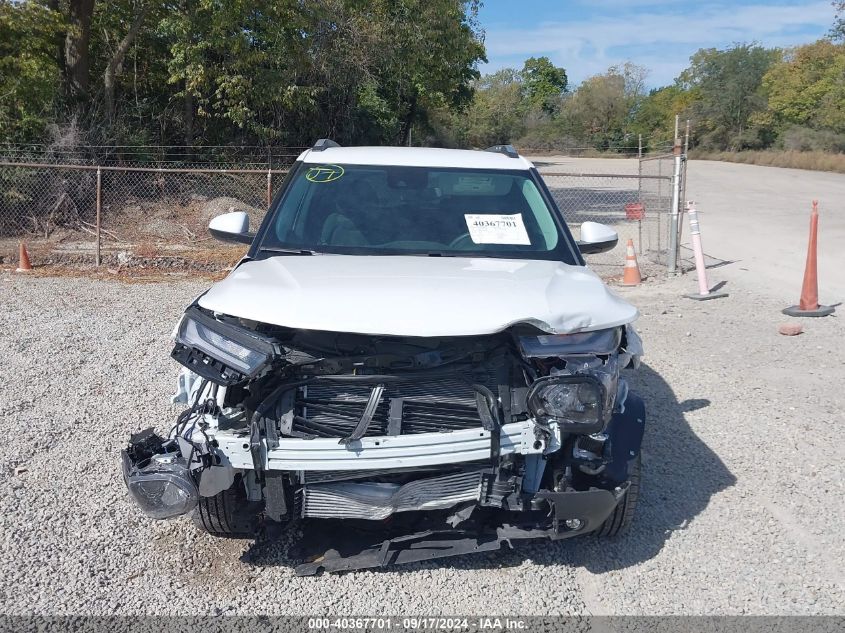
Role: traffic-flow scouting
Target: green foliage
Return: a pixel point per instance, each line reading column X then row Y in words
column 655, row 117
column 29, row 71
column 241, row 71
column 807, row 89
column 286, row 72
column 543, row 84
column 603, row 106
column 728, row 91
column 496, row 114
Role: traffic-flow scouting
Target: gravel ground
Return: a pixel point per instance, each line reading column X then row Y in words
column 742, row 510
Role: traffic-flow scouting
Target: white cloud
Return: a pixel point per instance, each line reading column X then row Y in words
column 660, row 39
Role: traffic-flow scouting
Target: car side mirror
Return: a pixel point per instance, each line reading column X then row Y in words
column 597, row 238
column 231, row 227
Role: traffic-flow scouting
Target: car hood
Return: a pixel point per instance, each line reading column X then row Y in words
column 417, row 296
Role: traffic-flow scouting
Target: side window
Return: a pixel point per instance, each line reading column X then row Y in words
column 541, row 214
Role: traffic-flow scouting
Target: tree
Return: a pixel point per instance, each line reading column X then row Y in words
column 115, row 64
column 837, row 31
column 497, row 113
column 29, row 69
column 602, row 107
column 654, row 117
column 727, row 85
column 428, row 54
column 76, row 60
column 543, row 83
column 807, row 87
column 238, row 71
column 290, row 70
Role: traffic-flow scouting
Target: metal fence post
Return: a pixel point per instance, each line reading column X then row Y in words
column 640, row 189
column 675, row 210
column 683, row 197
column 269, row 188
column 660, row 219
column 99, row 206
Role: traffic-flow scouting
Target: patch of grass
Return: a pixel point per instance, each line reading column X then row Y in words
column 816, row 161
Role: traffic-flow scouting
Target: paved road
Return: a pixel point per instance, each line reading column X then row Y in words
column 757, row 218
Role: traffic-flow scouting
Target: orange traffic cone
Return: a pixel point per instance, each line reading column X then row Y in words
column 632, row 275
column 808, row 305
column 23, row 261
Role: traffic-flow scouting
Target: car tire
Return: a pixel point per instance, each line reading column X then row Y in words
column 620, row 520
column 228, row 513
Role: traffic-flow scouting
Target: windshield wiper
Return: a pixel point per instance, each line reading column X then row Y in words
column 286, row 251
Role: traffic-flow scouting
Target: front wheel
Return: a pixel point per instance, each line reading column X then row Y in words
column 228, row 513
column 619, row 522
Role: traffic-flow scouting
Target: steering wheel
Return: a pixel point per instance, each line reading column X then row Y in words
column 460, row 240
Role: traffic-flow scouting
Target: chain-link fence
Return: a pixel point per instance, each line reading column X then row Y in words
column 634, row 206
column 153, row 156
column 64, row 207
column 657, row 178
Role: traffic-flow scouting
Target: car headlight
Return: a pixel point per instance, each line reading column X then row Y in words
column 576, row 403
column 161, row 490
column 220, row 352
column 599, row 342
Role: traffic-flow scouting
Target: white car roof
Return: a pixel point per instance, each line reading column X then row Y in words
column 414, row 157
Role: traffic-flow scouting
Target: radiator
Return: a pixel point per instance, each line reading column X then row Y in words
column 376, row 501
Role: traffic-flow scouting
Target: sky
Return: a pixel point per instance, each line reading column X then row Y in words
column 587, row 36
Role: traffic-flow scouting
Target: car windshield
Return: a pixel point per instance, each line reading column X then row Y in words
column 394, row 210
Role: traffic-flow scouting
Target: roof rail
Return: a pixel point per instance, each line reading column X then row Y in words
column 323, row 143
column 507, row 150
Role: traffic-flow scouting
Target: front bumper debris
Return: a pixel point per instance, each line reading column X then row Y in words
column 380, row 452
column 584, row 511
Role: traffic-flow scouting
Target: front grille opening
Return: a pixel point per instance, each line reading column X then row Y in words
column 328, row 410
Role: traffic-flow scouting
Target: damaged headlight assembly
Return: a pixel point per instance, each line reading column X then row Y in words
column 220, row 352
column 580, row 395
column 576, row 403
column 157, row 476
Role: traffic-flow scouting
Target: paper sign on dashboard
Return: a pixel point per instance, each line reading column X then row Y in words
column 487, row 228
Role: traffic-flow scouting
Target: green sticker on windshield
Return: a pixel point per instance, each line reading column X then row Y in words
column 324, row 173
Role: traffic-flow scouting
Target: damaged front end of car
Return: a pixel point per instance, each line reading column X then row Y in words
column 417, row 448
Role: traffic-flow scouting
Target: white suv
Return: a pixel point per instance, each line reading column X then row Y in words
column 412, row 360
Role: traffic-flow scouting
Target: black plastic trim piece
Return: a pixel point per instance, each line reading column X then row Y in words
column 205, row 366
column 323, row 143
column 625, row 431
column 366, row 418
column 598, row 247
column 236, row 238
column 590, row 507
column 507, row 150
column 394, row 425
column 275, row 495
